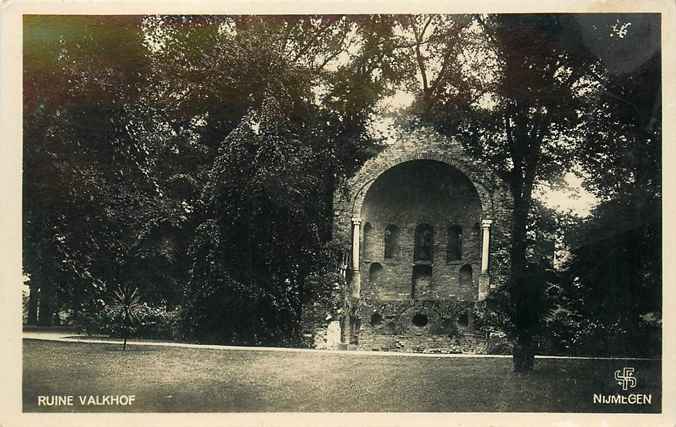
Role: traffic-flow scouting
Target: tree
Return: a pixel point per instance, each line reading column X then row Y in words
column 118, row 152
column 258, row 234
column 613, row 283
column 74, row 107
column 510, row 88
column 91, row 204
column 265, row 211
column 614, row 275
column 523, row 124
column 527, row 117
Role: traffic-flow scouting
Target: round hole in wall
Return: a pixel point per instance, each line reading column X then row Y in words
column 376, row 319
column 419, row 320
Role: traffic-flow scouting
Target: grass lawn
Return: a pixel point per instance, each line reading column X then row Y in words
column 167, row 379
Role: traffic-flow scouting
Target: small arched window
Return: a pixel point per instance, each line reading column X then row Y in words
column 375, row 272
column 391, row 241
column 424, row 242
column 454, row 243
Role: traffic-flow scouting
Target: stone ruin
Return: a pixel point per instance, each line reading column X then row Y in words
column 426, row 230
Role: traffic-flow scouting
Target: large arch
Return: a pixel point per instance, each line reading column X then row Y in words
column 361, row 183
column 421, row 198
column 421, row 144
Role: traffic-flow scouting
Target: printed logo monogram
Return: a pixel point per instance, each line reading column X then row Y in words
column 625, row 378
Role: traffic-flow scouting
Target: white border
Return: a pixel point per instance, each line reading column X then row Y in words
column 10, row 208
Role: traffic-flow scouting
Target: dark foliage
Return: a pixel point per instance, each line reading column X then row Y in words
column 195, row 158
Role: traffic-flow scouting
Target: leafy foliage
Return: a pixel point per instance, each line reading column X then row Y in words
column 79, row 152
column 260, row 225
column 195, row 158
column 123, row 118
column 613, row 282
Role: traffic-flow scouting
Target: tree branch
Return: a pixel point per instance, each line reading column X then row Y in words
column 315, row 37
column 418, row 54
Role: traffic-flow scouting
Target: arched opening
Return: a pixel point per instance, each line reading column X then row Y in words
column 391, row 242
column 454, row 243
column 466, row 276
column 424, row 243
column 375, row 272
column 429, row 165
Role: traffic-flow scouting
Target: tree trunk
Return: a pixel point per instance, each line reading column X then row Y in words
column 523, row 355
column 75, row 301
column 47, row 302
column 33, row 298
column 125, row 330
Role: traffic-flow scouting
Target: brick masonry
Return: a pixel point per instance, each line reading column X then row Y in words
column 407, row 304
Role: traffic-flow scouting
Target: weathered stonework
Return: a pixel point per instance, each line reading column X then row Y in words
column 417, row 216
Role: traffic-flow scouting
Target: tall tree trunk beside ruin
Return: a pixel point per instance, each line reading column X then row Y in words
column 33, row 297
column 524, row 135
column 47, row 303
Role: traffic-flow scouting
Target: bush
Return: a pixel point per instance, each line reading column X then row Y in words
column 570, row 333
column 222, row 310
column 152, row 322
column 499, row 344
column 492, row 316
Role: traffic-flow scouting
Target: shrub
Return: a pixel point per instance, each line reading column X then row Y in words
column 222, row 310
column 153, row 322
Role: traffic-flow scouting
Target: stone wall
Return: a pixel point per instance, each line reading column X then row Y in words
column 416, row 326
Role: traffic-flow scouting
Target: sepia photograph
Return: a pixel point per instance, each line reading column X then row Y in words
column 342, row 213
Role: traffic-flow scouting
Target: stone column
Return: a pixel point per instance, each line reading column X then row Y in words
column 348, row 324
column 356, row 273
column 484, row 277
column 486, row 240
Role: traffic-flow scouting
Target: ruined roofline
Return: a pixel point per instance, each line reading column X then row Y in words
column 422, row 143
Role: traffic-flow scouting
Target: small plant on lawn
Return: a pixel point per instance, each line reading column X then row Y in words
column 127, row 302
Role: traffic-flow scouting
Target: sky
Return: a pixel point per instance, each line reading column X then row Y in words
column 574, row 198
